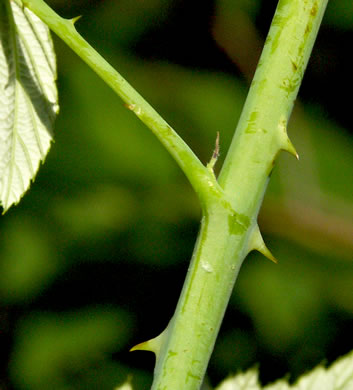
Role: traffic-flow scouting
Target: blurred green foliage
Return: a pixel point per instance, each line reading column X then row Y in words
column 93, row 259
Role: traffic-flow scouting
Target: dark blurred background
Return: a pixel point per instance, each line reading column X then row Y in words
column 94, row 257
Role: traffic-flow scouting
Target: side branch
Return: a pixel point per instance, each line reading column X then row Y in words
column 201, row 179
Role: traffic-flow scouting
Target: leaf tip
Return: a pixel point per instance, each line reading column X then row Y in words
column 30, row 131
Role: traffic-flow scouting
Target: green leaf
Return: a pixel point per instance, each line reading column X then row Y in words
column 28, row 99
column 339, row 376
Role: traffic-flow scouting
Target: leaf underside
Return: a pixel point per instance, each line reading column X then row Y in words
column 28, row 99
column 339, row 376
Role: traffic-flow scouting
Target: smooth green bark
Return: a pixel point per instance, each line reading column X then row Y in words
column 230, row 206
column 229, row 228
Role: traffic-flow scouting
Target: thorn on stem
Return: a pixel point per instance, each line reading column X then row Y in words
column 153, row 345
column 291, row 149
column 257, row 243
column 216, row 149
column 130, row 107
column 284, row 141
column 215, row 154
column 134, row 108
column 75, row 19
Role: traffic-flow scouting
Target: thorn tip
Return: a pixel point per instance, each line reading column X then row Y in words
column 291, row 149
column 154, row 345
column 75, row 19
column 284, row 141
column 257, row 243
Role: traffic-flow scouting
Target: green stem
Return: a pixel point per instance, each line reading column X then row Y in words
column 229, row 229
column 202, row 180
column 262, row 126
